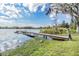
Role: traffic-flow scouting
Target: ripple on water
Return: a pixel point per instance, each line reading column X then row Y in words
column 10, row 40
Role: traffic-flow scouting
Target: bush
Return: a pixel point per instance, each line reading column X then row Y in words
column 53, row 31
column 49, row 31
column 73, row 31
column 0, row 54
column 62, row 30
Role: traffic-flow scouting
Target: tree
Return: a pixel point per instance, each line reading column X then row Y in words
column 72, row 9
column 61, row 8
column 52, row 12
column 63, row 24
column 69, row 32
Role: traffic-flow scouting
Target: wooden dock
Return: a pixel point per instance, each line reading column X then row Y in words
column 44, row 35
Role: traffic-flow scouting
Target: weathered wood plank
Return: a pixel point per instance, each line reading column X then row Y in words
column 33, row 34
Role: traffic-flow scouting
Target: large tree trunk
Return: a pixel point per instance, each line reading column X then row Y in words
column 69, row 34
column 77, row 30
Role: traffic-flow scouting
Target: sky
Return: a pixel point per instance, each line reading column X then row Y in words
column 28, row 14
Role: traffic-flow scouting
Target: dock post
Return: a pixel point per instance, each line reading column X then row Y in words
column 44, row 36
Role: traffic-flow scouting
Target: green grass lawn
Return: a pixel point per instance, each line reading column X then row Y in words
column 43, row 47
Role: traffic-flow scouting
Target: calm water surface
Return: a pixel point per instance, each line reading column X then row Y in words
column 10, row 40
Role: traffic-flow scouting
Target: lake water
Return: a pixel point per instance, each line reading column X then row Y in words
column 10, row 40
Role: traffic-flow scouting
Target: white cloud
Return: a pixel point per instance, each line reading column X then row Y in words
column 10, row 11
column 18, row 24
column 43, row 7
column 13, row 13
column 29, row 5
column 53, row 14
column 3, row 17
column 5, row 21
column 67, row 16
column 27, row 12
column 33, row 7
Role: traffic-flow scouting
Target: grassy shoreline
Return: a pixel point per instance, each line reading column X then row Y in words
column 43, row 47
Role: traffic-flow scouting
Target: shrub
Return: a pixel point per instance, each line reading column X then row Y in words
column 53, row 31
column 62, row 30
column 73, row 31
column 0, row 54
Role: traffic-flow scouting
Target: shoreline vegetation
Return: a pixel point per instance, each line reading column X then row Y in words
column 23, row 27
column 42, row 47
column 16, row 27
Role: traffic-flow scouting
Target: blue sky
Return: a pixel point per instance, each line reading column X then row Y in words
column 23, row 14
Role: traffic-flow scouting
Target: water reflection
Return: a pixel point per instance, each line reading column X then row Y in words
column 10, row 40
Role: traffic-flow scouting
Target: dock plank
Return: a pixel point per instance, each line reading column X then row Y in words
column 44, row 34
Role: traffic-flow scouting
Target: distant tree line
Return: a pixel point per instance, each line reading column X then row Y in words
column 16, row 27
